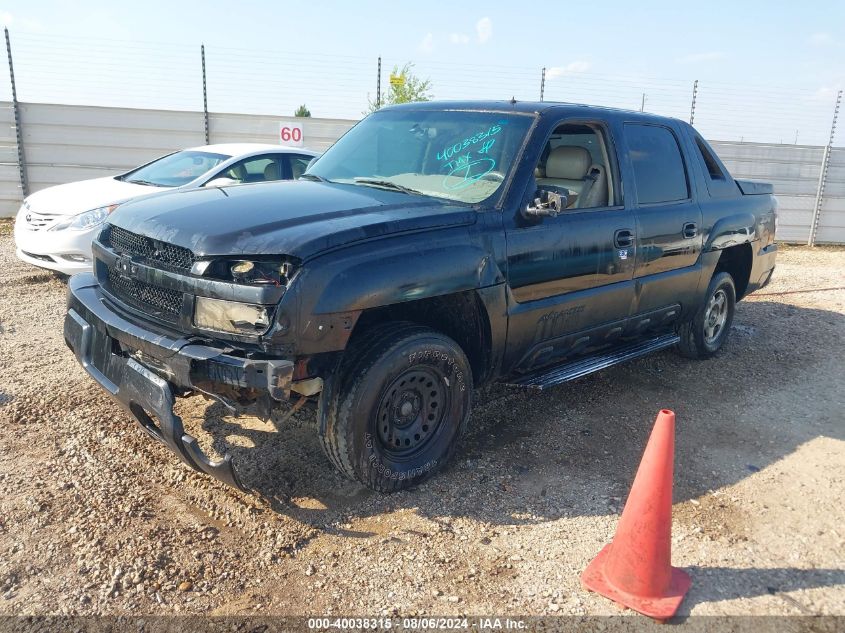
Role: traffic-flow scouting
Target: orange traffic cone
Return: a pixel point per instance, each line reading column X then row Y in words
column 636, row 570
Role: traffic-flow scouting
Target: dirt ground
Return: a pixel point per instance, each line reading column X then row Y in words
column 96, row 518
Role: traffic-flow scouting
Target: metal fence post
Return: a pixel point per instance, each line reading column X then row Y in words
column 204, row 95
column 692, row 106
column 17, row 114
column 378, row 85
column 543, row 83
column 817, row 208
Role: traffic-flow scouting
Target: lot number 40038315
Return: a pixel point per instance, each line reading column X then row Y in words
column 291, row 134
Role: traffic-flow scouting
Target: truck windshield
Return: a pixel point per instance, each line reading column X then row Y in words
column 457, row 155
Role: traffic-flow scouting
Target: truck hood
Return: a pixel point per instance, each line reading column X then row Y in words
column 76, row 197
column 297, row 218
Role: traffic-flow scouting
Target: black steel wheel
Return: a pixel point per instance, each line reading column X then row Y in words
column 412, row 410
column 400, row 404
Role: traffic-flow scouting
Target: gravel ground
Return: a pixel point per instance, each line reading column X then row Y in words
column 95, row 518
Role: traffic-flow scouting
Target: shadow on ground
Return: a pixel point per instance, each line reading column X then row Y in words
column 715, row 584
column 573, row 450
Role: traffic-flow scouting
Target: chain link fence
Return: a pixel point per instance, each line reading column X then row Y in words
column 168, row 75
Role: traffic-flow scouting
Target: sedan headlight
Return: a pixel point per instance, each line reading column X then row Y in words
column 86, row 220
column 230, row 316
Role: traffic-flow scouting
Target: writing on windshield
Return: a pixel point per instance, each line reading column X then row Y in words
column 450, row 151
column 458, row 155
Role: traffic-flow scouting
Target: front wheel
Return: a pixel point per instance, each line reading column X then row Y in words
column 705, row 334
column 402, row 403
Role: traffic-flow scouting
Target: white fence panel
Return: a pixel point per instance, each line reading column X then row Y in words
column 795, row 213
column 318, row 134
column 793, row 170
column 64, row 143
column 10, row 188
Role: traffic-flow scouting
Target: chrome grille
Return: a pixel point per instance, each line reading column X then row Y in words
column 129, row 243
column 161, row 302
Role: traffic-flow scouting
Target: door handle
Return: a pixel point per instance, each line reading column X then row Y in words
column 690, row 230
column 623, row 238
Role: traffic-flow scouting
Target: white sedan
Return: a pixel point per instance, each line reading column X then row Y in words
column 55, row 226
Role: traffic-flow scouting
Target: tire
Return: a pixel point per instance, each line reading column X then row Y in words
column 399, row 406
column 705, row 334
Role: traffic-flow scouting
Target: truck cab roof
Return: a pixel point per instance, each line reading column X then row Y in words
column 533, row 107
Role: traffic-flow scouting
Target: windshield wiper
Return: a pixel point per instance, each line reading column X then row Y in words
column 146, row 182
column 386, row 184
column 313, row 177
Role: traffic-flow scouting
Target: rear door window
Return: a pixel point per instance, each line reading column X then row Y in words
column 659, row 170
column 256, row 169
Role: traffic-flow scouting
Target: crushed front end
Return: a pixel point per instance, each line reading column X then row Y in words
column 154, row 322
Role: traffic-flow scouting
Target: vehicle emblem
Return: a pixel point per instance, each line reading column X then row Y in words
column 28, row 218
column 623, row 254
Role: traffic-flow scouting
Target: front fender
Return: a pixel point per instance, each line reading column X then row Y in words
column 370, row 282
column 331, row 291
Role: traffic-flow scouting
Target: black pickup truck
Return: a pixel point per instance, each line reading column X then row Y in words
column 434, row 248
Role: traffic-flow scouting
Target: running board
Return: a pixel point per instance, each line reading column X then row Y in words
column 570, row 371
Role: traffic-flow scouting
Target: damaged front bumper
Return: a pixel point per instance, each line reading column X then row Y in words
column 142, row 370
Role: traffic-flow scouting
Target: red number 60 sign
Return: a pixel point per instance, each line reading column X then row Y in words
column 291, row 134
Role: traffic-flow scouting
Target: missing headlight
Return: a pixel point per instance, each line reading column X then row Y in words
column 258, row 271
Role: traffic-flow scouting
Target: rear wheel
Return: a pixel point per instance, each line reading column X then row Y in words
column 705, row 334
column 402, row 402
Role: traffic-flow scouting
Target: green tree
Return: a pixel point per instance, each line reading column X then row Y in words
column 302, row 111
column 410, row 90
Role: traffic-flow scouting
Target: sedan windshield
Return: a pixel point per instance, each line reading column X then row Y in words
column 176, row 169
column 457, row 155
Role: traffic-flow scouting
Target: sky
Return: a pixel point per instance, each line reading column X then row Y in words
column 767, row 71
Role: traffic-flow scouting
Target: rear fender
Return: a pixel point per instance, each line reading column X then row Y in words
column 731, row 230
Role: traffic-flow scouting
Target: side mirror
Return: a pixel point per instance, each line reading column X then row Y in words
column 221, row 182
column 546, row 204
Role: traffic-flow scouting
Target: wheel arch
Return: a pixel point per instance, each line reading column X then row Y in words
column 737, row 261
column 462, row 316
